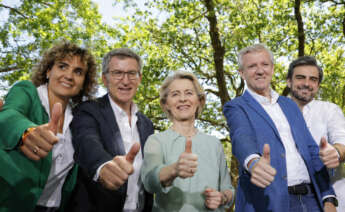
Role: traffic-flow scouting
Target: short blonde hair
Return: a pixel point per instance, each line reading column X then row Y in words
column 164, row 91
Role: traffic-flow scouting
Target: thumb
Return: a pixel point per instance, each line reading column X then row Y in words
column 323, row 143
column 133, row 152
column 1, row 104
column 56, row 113
column 266, row 153
column 209, row 189
column 188, row 148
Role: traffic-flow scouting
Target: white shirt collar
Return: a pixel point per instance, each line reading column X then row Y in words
column 119, row 111
column 42, row 91
column 129, row 134
column 264, row 100
column 62, row 156
column 308, row 106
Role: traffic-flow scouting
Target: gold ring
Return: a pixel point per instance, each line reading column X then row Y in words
column 35, row 150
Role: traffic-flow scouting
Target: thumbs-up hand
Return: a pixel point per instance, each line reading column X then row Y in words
column 262, row 173
column 187, row 163
column 40, row 140
column 328, row 154
column 116, row 172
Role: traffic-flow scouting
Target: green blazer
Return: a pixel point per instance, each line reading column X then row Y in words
column 21, row 179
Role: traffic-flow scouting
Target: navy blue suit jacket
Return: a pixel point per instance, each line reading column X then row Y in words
column 250, row 128
column 96, row 140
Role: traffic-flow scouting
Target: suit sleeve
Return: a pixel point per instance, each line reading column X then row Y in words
column 321, row 174
column 89, row 150
column 14, row 114
column 22, row 109
column 242, row 134
column 319, row 169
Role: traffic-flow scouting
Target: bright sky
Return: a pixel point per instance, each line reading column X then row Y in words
column 110, row 9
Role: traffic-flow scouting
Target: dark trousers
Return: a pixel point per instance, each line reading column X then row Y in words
column 45, row 209
column 303, row 199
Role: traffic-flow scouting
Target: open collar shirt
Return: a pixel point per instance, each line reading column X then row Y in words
column 325, row 119
column 130, row 135
column 297, row 171
column 62, row 156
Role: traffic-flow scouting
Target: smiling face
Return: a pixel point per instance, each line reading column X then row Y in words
column 304, row 83
column 182, row 101
column 257, row 71
column 122, row 91
column 66, row 78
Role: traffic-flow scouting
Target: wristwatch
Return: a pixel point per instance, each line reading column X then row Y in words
column 332, row 200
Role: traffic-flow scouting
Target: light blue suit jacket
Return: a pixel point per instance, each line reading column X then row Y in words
column 250, row 128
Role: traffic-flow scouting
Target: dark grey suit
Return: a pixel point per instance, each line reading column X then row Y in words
column 96, row 140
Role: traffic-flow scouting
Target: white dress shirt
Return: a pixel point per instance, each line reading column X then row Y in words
column 325, row 119
column 297, row 171
column 62, row 157
column 130, row 135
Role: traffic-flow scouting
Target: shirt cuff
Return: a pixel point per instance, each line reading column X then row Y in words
column 96, row 176
column 323, row 198
column 249, row 158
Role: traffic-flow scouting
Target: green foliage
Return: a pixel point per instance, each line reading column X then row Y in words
column 34, row 26
column 174, row 35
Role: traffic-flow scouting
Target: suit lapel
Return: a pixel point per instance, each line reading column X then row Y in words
column 141, row 130
column 115, row 141
column 295, row 126
column 252, row 103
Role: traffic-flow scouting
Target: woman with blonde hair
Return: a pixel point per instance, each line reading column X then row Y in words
column 184, row 167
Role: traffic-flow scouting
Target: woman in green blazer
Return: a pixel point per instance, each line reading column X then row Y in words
column 36, row 154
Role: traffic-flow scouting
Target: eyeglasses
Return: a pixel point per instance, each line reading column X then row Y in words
column 132, row 75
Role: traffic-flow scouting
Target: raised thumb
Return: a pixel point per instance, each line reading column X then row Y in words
column 55, row 116
column 266, row 153
column 323, row 143
column 133, row 152
column 188, row 147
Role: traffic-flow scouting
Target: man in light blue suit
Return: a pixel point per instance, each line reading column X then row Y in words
column 280, row 168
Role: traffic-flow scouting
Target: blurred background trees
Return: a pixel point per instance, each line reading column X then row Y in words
column 200, row 36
